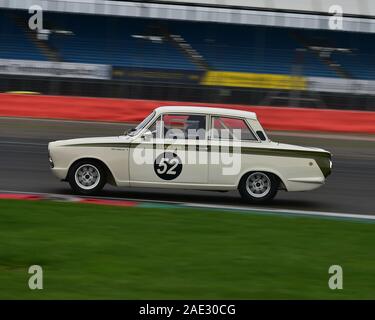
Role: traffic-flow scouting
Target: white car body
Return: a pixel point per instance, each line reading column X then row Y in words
column 298, row 168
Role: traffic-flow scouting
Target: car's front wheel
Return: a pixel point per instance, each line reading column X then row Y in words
column 87, row 177
column 258, row 186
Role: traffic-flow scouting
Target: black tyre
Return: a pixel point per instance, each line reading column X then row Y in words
column 258, row 186
column 87, row 177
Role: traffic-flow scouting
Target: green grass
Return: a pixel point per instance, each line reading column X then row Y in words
column 89, row 251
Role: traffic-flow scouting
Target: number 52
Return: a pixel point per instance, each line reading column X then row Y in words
column 167, row 166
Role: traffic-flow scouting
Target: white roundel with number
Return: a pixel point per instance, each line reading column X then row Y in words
column 168, row 166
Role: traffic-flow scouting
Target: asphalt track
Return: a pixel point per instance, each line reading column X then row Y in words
column 350, row 188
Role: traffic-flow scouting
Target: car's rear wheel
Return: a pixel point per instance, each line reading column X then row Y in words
column 258, row 186
column 87, row 177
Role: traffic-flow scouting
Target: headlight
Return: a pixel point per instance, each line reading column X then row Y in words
column 330, row 164
column 50, row 161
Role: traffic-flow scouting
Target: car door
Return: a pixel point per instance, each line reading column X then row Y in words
column 227, row 138
column 172, row 151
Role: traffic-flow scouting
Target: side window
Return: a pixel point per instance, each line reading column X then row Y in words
column 231, row 129
column 184, row 126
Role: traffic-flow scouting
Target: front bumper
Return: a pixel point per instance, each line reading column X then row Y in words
column 60, row 173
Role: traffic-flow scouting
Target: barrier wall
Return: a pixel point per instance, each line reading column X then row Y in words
column 253, row 80
column 123, row 110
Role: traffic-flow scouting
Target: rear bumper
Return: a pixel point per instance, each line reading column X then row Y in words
column 316, row 180
column 305, row 184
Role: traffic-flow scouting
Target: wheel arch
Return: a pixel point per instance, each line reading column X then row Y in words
column 276, row 174
column 109, row 175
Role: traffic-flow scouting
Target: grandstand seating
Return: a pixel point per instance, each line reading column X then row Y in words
column 251, row 49
column 226, row 47
column 15, row 44
column 111, row 41
column 360, row 62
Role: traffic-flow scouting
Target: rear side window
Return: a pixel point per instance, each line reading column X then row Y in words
column 231, row 129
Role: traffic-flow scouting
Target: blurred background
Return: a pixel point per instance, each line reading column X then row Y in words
column 276, row 53
column 264, row 56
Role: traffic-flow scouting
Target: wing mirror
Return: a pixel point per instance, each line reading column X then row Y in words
column 147, row 135
column 129, row 131
column 261, row 135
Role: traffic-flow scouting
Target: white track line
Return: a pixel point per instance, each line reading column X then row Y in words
column 340, row 215
column 287, row 211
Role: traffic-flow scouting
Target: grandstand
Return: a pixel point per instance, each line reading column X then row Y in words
column 146, row 51
column 15, row 43
column 151, row 43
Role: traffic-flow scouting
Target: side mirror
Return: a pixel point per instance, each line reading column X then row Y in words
column 147, row 135
column 129, row 131
column 261, row 135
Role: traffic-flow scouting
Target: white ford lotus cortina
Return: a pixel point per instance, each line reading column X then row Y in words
column 191, row 148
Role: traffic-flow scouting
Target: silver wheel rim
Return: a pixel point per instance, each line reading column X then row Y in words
column 258, row 184
column 87, row 176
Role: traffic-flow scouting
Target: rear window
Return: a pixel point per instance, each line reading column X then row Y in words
column 231, row 129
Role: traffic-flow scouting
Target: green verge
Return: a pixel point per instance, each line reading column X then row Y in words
column 89, row 251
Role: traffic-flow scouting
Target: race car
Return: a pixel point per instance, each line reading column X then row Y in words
column 199, row 148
